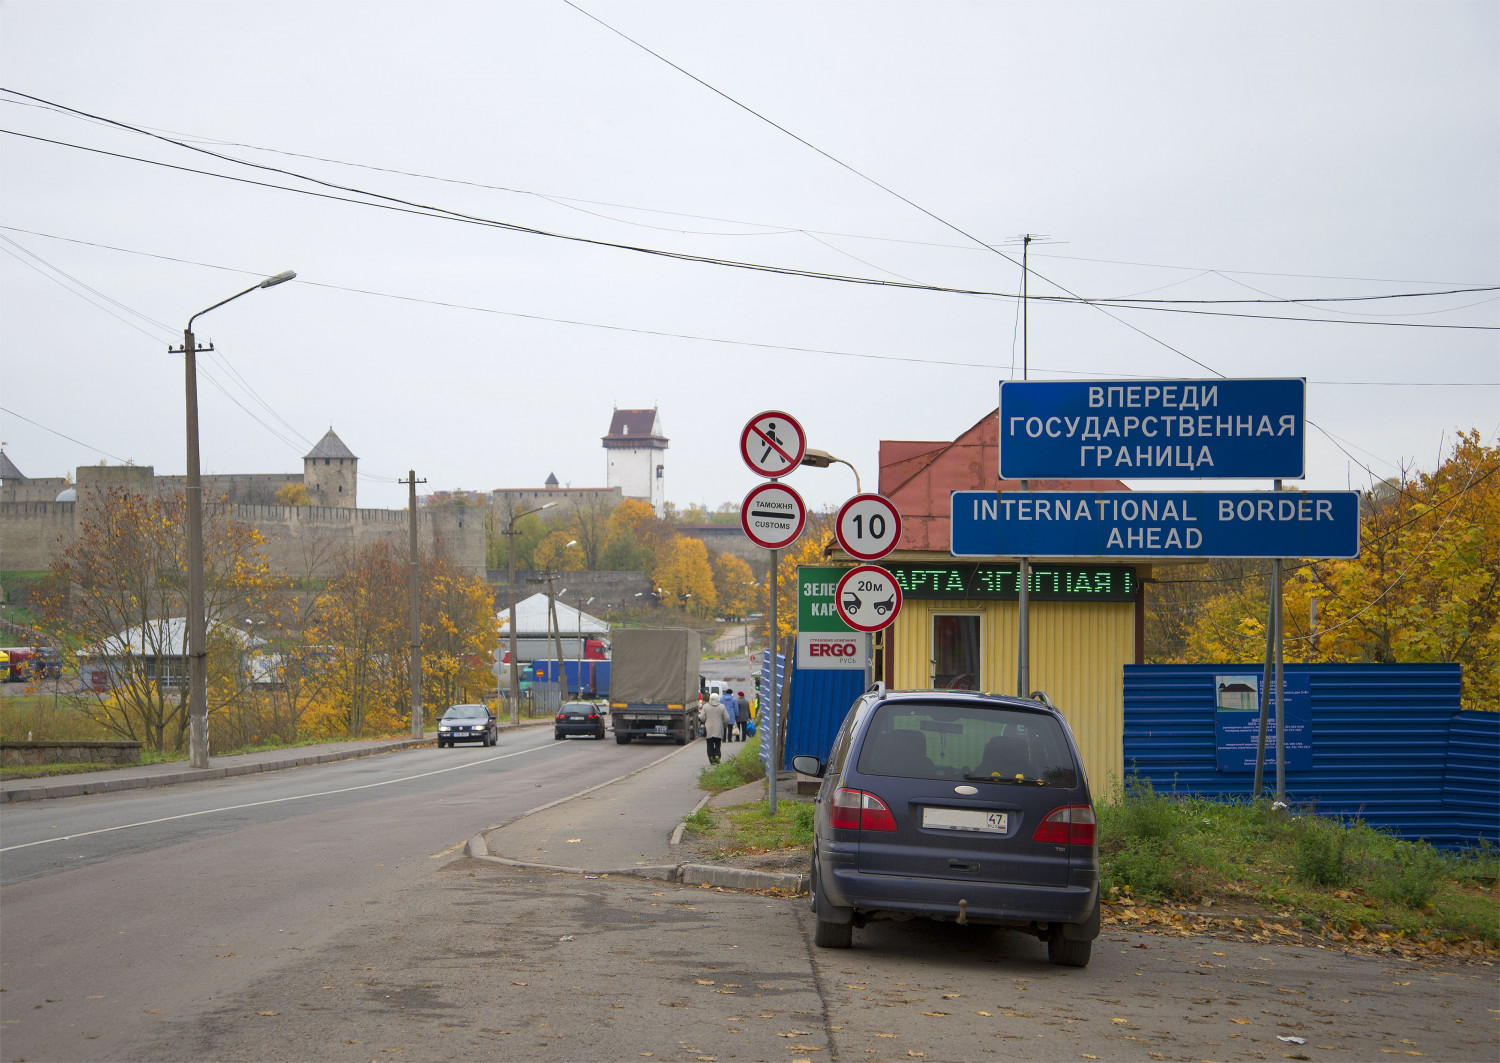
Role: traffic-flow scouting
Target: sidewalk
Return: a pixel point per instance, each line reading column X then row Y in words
column 632, row 826
column 140, row 776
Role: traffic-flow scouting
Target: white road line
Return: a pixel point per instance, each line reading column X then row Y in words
column 275, row 800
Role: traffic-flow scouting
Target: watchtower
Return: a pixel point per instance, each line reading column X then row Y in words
column 637, row 453
column 330, row 473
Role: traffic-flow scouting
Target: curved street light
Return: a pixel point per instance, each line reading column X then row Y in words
column 821, row 459
column 197, row 620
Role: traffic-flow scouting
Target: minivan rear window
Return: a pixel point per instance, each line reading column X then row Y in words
column 920, row 740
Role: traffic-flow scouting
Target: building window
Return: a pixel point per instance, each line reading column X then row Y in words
column 955, row 652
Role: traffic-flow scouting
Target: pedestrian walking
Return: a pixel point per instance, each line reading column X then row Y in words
column 742, row 714
column 731, row 712
column 715, row 723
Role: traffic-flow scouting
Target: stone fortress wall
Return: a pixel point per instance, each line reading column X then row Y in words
column 299, row 540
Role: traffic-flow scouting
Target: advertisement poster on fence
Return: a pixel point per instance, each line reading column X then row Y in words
column 1237, row 721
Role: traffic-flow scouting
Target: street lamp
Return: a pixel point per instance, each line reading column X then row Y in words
column 515, row 674
column 197, row 620
column 821, row 459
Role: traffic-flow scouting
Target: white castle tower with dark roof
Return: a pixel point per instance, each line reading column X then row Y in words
column 330, row 473
column 637, row 452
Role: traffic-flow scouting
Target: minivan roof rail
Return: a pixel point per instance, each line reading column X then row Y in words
column 1040, row 695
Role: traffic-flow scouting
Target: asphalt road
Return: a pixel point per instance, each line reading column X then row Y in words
column 118, row 909
column 327, row 913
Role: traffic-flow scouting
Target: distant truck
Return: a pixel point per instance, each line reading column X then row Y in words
column 585, row 679
column 654, row 684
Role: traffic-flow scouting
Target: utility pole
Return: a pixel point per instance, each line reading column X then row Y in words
column 1023, row 574
column 197, row 619
column 414, row 593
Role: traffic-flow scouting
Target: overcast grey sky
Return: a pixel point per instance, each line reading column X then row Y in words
column 1189, row 151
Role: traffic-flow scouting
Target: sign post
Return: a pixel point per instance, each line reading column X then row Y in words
column 772, row 444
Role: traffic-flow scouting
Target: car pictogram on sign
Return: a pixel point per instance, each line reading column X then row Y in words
column 868, row 598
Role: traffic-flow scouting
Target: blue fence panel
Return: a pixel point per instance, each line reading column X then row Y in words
column 1388, row 746
column 1471, row 787
column 821, row 698
column 770, row 679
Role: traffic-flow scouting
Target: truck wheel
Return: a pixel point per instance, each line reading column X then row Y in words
column 623, row 740
column 681, row 740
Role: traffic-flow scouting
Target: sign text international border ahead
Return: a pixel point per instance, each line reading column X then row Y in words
column 1153, row 429
column 1148, row 524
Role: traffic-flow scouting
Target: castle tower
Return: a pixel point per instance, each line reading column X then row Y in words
column 329, row 472
column 636, row 455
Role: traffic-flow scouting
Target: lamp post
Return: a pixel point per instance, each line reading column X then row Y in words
column 197, row 621
column 821, row 459
column 515, row 675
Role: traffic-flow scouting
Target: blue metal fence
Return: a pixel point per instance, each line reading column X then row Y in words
column 1388, row 745
column 821, row 697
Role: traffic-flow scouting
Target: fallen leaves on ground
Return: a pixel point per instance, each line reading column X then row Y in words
column 1185, row 921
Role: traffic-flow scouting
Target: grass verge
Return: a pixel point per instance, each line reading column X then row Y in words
column 750, row 829
column 743, row 767
column 1264, row 868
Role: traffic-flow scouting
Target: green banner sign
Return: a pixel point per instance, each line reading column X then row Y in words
column 815, row 598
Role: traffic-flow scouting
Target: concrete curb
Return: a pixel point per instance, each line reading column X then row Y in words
column 735, row 878
column 183, row 775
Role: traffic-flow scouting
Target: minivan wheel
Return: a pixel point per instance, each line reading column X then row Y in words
column 826, row 933
column 1065, row 952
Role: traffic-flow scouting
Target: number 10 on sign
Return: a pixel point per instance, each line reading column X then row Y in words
column 868, row 527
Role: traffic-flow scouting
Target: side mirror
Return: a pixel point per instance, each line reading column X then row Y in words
column 808, row 766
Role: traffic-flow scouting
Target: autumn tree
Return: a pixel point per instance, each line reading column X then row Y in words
column 735, row 583
column 1425, row 588
column 588, row 525
column 684, row 574
column 291, row 495
column 557, row 552
column 359, row 642
column 119, row 591
column 458, row 633
column 530, row 530
column 633, row 537
column 807, row 550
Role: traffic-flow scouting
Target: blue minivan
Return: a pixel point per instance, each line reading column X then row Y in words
column 960, row 806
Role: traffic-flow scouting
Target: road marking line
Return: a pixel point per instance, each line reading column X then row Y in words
column 276, row 800
column 450, row 849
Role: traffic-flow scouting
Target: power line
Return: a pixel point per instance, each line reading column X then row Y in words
column 70, row 439
column 441, row 214
column 770, row 228
column 680, row 335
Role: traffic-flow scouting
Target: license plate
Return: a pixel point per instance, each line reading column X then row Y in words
column 965, row 819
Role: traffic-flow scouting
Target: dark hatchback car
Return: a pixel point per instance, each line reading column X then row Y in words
column 579, row 718
column 956, row 806
column 468, row 723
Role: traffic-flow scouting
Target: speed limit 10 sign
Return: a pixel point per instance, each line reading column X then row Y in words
column 868, row 527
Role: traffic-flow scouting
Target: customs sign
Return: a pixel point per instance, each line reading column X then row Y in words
column 1153, row 429
column 772, row 515
column 1154, row 524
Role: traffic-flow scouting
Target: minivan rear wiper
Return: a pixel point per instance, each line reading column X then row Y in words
column 995, row 776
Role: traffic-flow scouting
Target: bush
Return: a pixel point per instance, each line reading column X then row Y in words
column 1319, row 854
column 1143, row 814
column 1413, row 878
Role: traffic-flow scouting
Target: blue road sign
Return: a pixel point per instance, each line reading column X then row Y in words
column 1155, row 524
column 1152, row 429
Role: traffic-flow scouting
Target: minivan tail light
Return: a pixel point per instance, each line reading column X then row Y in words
column 1069, row 825
column 860, row 810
